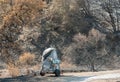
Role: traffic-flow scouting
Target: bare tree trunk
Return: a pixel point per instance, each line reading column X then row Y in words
column 92, row 67
column 11, row 2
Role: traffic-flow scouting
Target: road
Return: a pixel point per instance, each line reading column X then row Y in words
column 70, row 77
column 44, row 79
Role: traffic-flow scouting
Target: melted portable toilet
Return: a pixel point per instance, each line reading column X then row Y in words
column 50, row 62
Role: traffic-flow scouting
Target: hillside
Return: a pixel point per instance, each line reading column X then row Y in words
column 85, row 33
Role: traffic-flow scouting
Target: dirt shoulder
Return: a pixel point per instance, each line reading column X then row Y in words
column 93, row 73
column 107, row 80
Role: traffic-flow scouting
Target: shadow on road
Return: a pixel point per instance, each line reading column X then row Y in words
column 16, row 79
column 50, row 78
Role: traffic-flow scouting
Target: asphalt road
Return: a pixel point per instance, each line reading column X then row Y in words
column 49, row 78
column 104, row 76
